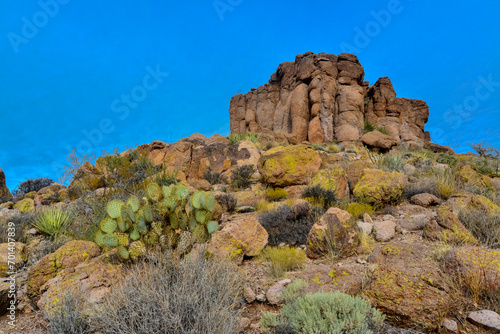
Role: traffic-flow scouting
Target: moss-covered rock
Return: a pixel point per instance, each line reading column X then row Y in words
column 472, row 178
column 333, row 178
column 291, row 165
column 68, row 256
column 25, row 205
column 447, row 227
column 334, row 233
column 408, row 288
column 18, row 251
column 87, row 177
column 92, row 279
column 379, row 187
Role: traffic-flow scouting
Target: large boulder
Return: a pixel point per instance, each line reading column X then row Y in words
column 290, row 165
column 87, row 177
column 25, row 205
column 472, row 178
column 379, row 140
column 94, row 279
column 154, row 151
column 333, row 178
column 323, row 98
column 447, row 227
column 334, row 232
column 378, row 187
column 12, row 257
column 67, row 256
column 408, row 294
column 243, row 236
column 5, row 194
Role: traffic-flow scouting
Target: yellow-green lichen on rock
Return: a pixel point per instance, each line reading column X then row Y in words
column 333, row 178
column 472, row 178
column 379, row 187
column 290, row 165
column 69, row 255
column 25, row 205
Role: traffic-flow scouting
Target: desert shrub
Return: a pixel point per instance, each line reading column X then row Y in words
column 282, row 259
column 357, row 210
column 324, row 313
column 290, row 225
column 52, row 221
column 439, row 251
column 228, row 202
column 369, row 127
column 276, row 194
column 242, row 176
column 167, row 295
column 237, row 137
column 333, row 148
column 32, row 185
column 490, row 158
column 448, row 159
column 367, row 243
column 445, row 184
column 319, row 147
column 483, row 224
column 22, row 222
column 165, row 178
column 213, row 177
column 390, row 162
column 265, row 206
column 68, row 316
column 74, row 161
column 424, row 185
column 319, row 196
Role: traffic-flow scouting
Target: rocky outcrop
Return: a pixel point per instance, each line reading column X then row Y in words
column 322, row 98
column 5, row 194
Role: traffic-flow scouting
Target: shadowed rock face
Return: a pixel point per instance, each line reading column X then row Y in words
column 321, row 98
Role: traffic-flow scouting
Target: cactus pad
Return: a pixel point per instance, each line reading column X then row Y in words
column 200, row 234
column 137, row 249
column 131, row 213
column 201, row 216
column 212, row 227
column 114, row 208
column 110, row 240
column 123, row 252
column 148, row 213
column 182, row 192
column 153, row 192
column 122, row 238
column 196, row 200
column 151, row 238
column 99, row 239
column 135, row 235
column 108, row 225
column 133, row 202
column 210, row 202
column 184, row 242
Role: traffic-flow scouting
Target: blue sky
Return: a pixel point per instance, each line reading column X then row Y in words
column 68, row 66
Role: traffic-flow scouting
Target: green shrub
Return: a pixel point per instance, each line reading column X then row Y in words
column 166, row 179
column 319, row 196
column 242, row 176
column 319, row 147
column 52, row 221
column 276, row 194
column 283, row 259
column 357, row 210
column 321, row 312
column 391, row 162
column 167, row 295
column 333, row 148
column 237, row 137
column 32, row 185
column 369, row 127
column 447, row 159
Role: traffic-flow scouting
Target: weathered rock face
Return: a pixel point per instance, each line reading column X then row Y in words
column 5, row 194
column 321, row 98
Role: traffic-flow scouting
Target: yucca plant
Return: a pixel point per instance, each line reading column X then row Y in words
column 52, row 222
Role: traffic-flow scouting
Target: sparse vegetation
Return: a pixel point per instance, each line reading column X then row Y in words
column 228, row 202
column 237, row 137
column 290, row 225
column 167, row 295
column 242, row 176
column 276, row 194
column 165, row 179
column 357, row 210
column 319, row 196
column 74, row 161
column 282, row 259
column 213, row 177
column 68, row 316
column 369, row 127
column 323, row 313
column 484, row 224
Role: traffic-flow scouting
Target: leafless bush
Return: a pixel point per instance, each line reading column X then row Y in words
column 68, row 317
column 166, row 295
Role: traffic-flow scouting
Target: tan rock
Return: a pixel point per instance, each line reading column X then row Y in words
column 377, row 186
column 5, row 194
column 333, row 178
column 379, row 140
column 17, row 255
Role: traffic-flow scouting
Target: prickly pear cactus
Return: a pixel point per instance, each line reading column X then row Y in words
column 133, row 226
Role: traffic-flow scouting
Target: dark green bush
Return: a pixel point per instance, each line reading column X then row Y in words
column 290, row 225
column 447, row 159
column 228, row 202
column 242, row 176
column 319, row 196
column 213, row 177
column 32, row 185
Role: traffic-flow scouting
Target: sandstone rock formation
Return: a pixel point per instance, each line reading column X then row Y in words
column 4, row 191
column 322, row 98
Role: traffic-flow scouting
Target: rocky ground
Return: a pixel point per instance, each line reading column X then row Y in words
column 414, row 232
